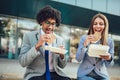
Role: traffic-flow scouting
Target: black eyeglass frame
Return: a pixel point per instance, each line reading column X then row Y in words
column 48, row 23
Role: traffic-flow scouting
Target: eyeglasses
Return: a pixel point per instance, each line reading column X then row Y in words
column 48, row 23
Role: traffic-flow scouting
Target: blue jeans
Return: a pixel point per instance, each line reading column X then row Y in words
column 85, row 78
column 92, row 76
column 88, row 78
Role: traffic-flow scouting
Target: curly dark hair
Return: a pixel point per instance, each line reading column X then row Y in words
column 49, row 12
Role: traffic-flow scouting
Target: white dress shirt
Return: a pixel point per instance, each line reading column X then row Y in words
column 51, row 68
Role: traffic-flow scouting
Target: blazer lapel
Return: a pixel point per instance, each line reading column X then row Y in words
column 37, row 35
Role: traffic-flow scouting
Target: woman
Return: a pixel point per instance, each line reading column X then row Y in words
column 94, row 68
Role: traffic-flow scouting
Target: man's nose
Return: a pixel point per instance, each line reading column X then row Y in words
column 50, row 26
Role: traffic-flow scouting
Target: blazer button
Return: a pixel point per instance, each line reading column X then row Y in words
column 93, row 64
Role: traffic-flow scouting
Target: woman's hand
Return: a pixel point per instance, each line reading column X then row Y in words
column 88, row 40
column 106, row 56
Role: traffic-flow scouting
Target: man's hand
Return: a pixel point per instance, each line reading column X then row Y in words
column 49, row 38
column 40, row 42
column 62, row 55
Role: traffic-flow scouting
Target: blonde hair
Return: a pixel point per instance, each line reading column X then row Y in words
column 104, row 35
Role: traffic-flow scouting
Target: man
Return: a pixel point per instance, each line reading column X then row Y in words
column 32, row 54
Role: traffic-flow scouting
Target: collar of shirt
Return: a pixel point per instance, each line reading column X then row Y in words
column 41, row 31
